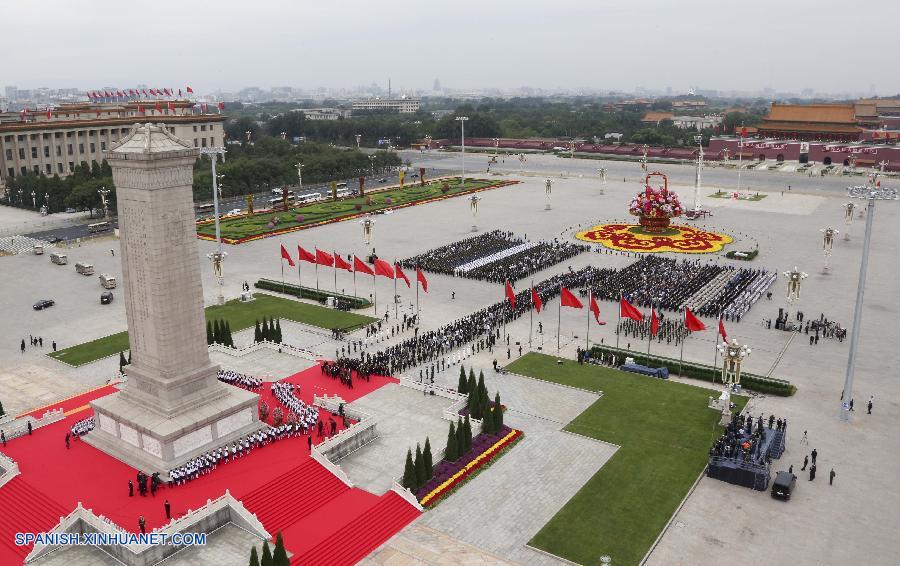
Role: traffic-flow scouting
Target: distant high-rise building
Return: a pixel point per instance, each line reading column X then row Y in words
column 12, row 93
column 437, row 85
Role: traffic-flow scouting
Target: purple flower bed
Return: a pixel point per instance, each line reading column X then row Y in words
column 443, row 470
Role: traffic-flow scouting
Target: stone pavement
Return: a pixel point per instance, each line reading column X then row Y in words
column 419, row 544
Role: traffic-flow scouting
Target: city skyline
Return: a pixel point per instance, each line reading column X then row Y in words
column 588, row 46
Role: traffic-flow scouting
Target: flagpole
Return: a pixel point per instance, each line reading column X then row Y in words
column 317, row 274
column 354, row 281
column 335, row 277
column 716, row 342
column 619, row 321
column 650, row 339
column 374, row 295
column 587, row 335
column 559, row 318
column 531, row 316
column 395, row 289
column 282, row 275
column 417, row 289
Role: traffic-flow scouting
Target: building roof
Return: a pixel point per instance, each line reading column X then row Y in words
column 812, row 113
column 102, row 122
column 657, row 116
column 813, row 128
column 149, row 139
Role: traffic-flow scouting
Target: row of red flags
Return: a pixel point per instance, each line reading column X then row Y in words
column 136, row 92
column 381, row 267
column 626, row 310
column 170, row 106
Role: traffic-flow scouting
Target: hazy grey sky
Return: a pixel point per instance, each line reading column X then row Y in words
column 827, row 45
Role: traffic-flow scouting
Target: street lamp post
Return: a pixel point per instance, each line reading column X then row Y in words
column 103, row 194
column 217, row 257
column 284, row 135
column 733, row 355
column 828, row 235
column 548, row 190
column 473, row 206
column 794, row 278
column 871, row 193
column 699, row 140
column 372, row 161
column 358, row 138
column 299, row 167
column 462, row 123
column 247, row 133
column 33, row 199
column 848, row 219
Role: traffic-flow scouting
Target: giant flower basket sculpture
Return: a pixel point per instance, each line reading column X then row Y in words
column 656, row 207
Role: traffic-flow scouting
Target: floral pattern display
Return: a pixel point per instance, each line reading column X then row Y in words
column 632, row 238
column 449, row 475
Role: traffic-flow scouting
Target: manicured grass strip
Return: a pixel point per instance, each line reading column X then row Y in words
column 239, row 316
column 664, row 430
column 235, row 230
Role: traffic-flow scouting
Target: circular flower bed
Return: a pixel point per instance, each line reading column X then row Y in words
column 628, row 237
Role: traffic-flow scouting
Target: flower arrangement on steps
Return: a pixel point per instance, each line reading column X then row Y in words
column 656, row 207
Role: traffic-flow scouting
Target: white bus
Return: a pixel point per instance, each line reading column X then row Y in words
column 343, row 193
column 206, row 207
column 309, row 197
column 99, row 227
column 274, row 201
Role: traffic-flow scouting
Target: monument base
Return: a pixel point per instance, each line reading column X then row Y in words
column 153, row 443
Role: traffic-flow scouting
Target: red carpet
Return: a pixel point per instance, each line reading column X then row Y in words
column 280, row 483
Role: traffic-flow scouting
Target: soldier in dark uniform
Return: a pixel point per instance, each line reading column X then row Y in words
column 130, row 488
column 168, row 510
column 142, row 524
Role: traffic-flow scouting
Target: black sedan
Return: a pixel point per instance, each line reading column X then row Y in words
column 54, row 239
column 43, row 304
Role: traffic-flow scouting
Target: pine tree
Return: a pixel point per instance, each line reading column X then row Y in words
column 461, row 436
column 427, row 459
column 482, row 390
column 498, row 413
column 420, row 467
column 257, row 333
column 487, row 423
column 265, row 329
column 472, row 383
column 451, row 454
column 217, row 332
column 484, row 399
column 209, row 334
column 266, row 555
column 409, row 472
column 2, row 412
column 229, row 340
column 279, row 557
column 254, row 557
column 461, row 387
column 467, row 425
column 271, row 329
column 278, row 331
column 122, row 362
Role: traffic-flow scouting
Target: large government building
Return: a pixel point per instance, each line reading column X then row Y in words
column 54, row 141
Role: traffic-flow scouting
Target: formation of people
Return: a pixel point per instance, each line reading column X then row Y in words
column 306, row 416
column 241, row 380
column 36, row 342
column 744, row 440
column 670, row 330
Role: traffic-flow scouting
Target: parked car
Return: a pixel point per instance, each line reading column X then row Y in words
column 382, row 180
column 54, row 239
column 106, row 297
column 783, row 485
column 43, row 303
column 71, row 210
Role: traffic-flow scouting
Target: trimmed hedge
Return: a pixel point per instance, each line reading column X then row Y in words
column 750, row 381
column 308, row 293
column 750, row 255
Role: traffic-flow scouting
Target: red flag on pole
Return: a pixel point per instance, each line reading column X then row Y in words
column 305, row 255
column 420, row 276
column 511, row 295
column 170, row 106
column 401, row 275
column 339, row 263
column 536, row 300
column 722, row 330
column 158, row 107
column 98, row 113
column 324, row 258
column 49, row 114
column 691, row 322
column 384, row 269
column 628, row 310
column 654, row 321
column 152, row 92
column 595, row 308
column 221, row 106
column 361, row 266
column 287, row 256
column 567, row 299
column 190, row 90
column 140, row 109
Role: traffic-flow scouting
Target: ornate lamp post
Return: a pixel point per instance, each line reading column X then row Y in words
column 699, row 140
column 733, row 356
column 372, row 161
column 247, row 133
column 522, row 160
column 283, row 135
column 794, row 278
column 548, row 190
column 33, row 199
column 47, row 202
column 368, row 226
column 496, row 147
column 848, row 219
column 462, row 123
column 473, row 205
column 299, row 167
column 828, row 235
column 644, row 148
column 358, row 138
column 217, row 257
column 871, row 193
column 103, row 194
column 602, row 173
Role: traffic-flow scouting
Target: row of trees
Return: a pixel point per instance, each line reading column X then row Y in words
column 219, row 332
column 417, row 472
column 269, row 558
column 80, row 190
column 269, row 331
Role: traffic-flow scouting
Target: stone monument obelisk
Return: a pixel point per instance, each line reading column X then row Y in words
column 173, row 407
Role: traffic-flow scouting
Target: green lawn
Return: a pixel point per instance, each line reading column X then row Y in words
column 664, row 430
column 248, row 226
column 239, row 316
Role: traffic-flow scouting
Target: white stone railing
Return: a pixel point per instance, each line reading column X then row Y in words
column 19, row 427
column 256, row 346
column 203, row 520
column 9, row 469
column 333, row 405
column 407, row 495
column 335, row 469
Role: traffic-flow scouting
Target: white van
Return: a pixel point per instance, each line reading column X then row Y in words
column 84, row 268
column 107, row 281
column 59, row 259
column 38, row 249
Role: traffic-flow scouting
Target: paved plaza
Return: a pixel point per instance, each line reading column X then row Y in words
column 496, row 514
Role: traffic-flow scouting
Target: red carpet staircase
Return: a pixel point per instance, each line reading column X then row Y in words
column 293, row 495
column 361, row 536
column 24, row 509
